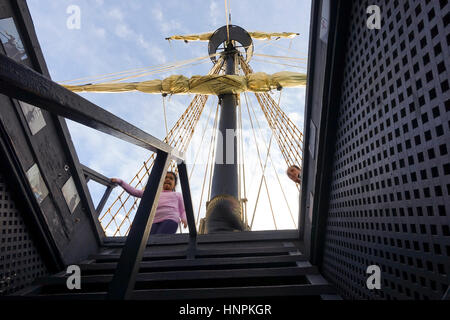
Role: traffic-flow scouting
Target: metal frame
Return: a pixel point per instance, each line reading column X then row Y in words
column 20, row 82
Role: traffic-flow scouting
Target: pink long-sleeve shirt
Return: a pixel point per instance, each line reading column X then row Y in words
column 170, row 205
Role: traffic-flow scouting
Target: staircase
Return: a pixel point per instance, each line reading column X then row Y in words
column 264, row 264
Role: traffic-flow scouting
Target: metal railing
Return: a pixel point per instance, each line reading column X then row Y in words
column 22, row 83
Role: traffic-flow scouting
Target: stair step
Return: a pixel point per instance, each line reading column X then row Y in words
column 214, row 239
column 201, row 253
column 199, row 264
column 304, row 290
column 189, row 279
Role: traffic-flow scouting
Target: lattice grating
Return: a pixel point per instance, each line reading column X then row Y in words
column 20, row 262
column 389, row 203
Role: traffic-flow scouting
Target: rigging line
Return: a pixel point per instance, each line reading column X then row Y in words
column 285, row 130
column 193, row 115
column 165, row 117
column 252, row 175
column 268, row 43
column 198, row 99
column 281, row 64
column 130, row 211
column 269, row 115
column 213, row 157
column 243, row 167
column 289, row 49
column 137, row 70
column 164, row 70
column 201, row 142
column 279, row 113
column 195, row 104
column 119, row 198
column 290, row 124
column 279, row 57
column 122, row 206
column 273, row 165
column 262, row 168
column 271, row 121
column 265, row 166
column 275, row 126
column 240, row 159
column 211, row 146
column 226, row 17
column 276, row 130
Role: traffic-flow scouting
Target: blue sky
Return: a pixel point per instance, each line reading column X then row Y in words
column 122, row 35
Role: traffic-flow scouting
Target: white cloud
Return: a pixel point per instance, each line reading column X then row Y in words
column 99, row 32
column 116, row 14
column 157, row 14
column 214, row 14
column 123, row 31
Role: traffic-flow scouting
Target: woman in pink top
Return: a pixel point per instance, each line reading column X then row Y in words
column 170, row 210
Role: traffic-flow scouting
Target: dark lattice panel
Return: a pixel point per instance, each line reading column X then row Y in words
column 20, row 262
column 389, row 202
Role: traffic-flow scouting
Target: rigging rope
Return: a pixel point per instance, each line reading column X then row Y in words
column 279, row 57
column 281, row 64
column 242, row 168
column 289, row 49
column 288, row 137
column 181, row 133
column 262, row 169
column 211, row 146
column 151, row 69
column 165, row 117
column 273, row 164
column 201, row 144
column 226, row 16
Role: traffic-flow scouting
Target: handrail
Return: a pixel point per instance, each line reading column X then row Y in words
column 186, row 190
column 90, row 174
column 20, row 82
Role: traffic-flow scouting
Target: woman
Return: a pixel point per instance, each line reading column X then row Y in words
column 170, row 208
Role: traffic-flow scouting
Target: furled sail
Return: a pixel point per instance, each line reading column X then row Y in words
column 208, row 85
column 255, row 35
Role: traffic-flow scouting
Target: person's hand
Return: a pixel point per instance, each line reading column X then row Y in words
column 184, row 223
column 115, row 180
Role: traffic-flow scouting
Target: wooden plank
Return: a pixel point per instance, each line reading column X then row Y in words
column 187, row 200
column 209, row 263
column 231, row 246
column 96, row 176
column 282, row 235
column 238, row 292
column 200, row 276
column 205, row 294
column 181, row 254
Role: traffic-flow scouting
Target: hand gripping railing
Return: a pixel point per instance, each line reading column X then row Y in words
column 20, row 82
